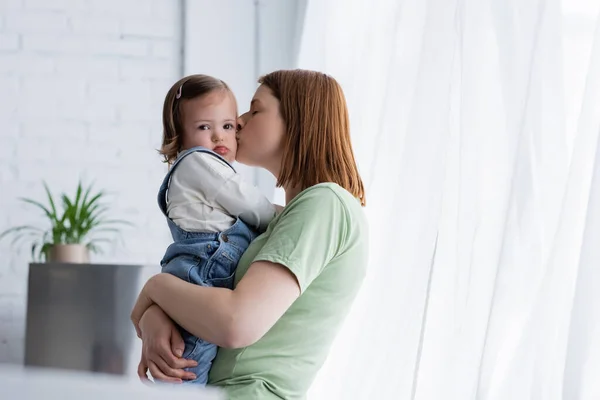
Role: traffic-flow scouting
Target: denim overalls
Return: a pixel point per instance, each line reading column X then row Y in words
column 203, row 258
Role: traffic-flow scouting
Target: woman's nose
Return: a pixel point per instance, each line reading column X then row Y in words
column 241, row 121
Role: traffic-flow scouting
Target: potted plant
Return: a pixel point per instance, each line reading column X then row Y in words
column 73, row 230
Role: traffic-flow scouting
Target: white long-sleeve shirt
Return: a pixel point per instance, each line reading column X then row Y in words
column 206, row 195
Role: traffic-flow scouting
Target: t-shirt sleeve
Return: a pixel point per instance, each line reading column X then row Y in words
column 310, row 232
column 221, row 185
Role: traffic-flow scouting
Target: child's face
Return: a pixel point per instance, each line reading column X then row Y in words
column 210, row 121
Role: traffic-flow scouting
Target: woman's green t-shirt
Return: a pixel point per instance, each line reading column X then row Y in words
column 322, row 237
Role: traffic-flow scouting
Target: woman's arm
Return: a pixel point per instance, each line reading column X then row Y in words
column 227, row 318
column 310, row 233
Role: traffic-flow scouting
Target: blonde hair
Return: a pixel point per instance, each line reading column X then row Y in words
column 317, row 146
column 186, row 88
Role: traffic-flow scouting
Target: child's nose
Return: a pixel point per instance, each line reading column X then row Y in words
column 217, row 135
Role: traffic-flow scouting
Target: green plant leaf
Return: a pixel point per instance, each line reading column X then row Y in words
column 18, row 229
column 106, row 230
column 24, row 235
column 76, row 202
column 117, row 221
column 34, row 248
column 94, row 247
column 70, row 217
column 48, row 213
column 87, row 194
column 50, row 199
column 59, row 232
column 45, row 252
column 94, row 199
column 83, row 217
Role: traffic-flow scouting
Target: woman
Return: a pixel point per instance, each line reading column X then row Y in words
column 295, row 283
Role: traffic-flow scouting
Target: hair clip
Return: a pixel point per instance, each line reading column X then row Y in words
column 178, row 95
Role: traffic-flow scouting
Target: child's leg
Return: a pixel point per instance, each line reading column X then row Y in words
column 200, row 351
column 217, row 269
column 189, row 268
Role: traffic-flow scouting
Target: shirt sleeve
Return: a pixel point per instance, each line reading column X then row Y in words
column 221, row 185
column 310, row 232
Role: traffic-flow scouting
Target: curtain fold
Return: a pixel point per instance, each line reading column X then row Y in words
column 483, row 207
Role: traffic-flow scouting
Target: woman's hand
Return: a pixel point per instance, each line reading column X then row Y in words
column 162, row 348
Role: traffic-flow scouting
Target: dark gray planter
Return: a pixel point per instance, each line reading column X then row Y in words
column 78, row 316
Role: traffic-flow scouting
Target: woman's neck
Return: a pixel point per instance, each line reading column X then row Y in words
column 290, row 193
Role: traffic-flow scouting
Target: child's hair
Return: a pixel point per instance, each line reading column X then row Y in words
column 186, row 88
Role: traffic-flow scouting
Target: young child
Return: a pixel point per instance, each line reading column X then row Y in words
column 212, row 214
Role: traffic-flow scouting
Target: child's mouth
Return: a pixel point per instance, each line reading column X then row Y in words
column 221, row 150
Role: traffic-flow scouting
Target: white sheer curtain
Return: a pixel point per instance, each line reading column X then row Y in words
column 477, row 136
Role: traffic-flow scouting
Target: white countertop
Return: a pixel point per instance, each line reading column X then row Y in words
column 21, row 383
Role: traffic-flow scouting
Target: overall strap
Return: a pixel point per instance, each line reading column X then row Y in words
column 162, row 193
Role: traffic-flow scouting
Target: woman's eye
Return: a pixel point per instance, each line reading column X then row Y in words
column 254, row 112
column 228, row 126
column 204, row 127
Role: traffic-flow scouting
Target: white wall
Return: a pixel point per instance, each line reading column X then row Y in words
column 81, row 89
column 254, row 37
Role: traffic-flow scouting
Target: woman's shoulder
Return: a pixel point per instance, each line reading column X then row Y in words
column 326, row 204
column 328, row 193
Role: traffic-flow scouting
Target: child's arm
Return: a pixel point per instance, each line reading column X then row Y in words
column 247, row 202
column 222, row 185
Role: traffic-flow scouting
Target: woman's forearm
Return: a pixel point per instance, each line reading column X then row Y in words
column 205, row 312
column 227, row 318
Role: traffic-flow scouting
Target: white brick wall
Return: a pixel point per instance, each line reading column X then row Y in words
column 81, row 87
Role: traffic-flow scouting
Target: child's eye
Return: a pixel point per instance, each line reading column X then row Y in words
column 228, row 126
column 204, row 127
